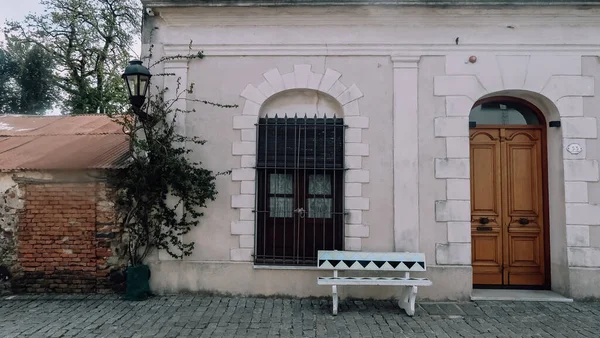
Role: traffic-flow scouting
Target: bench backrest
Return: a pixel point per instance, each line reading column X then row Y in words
column 382, row 261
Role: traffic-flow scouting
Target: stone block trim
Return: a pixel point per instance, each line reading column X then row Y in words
column 247, row 215
column 242, row 174
column 247, row 241
column 353, row 243
column 354, row 217
column 584, row 257
column 241, row 255
column 579, row 127
column 578, row 235
column 581, row 171
column 351, row 109
column 452, row 168
column 457, row 147
column 459, row 106
column 463, row 85
column 570, row 142
column 576, row 192
column 242, row 201
column 353, row 135
column 357, row 230
column 570, row 106
column 559, row 79
column 253, row 94
column 459, row 232
column 458, row 189
column 453, row 254
column 251, row 108
column 560, row 86
column 449, row 210
column 582, row 213
column 242, row 228
column 302, row 77
column 451, row 126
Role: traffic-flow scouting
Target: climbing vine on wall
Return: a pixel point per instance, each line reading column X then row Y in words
column 161, row 193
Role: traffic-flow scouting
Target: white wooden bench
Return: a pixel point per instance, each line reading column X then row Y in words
column 374, row 261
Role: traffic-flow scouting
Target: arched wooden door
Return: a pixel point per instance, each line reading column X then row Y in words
column 508, row 208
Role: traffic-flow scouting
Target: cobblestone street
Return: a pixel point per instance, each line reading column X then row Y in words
column 208, row 316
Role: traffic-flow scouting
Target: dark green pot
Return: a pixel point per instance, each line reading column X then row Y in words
column 138, row 285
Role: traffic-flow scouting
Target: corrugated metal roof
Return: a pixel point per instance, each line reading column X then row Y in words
column 61, row 142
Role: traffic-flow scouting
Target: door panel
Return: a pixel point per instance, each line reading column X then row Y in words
column 526, row 258
column 486, row 218
column 487, row 257
column 507, row 206
column 485, row 169
column 524, row 212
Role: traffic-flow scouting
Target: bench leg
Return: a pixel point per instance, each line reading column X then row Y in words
column 407, row 302
column 335, row 299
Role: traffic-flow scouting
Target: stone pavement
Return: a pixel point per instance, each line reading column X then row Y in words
column 212, row 316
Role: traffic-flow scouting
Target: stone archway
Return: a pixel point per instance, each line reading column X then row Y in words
column 556, row 86
column 302, row 81
column 509, row 193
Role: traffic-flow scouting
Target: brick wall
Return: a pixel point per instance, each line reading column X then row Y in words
column 67, row 237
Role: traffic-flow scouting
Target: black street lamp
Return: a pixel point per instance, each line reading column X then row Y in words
column 137, row 77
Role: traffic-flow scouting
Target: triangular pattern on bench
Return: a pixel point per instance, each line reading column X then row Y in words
column 372, row 265
column 393, row 261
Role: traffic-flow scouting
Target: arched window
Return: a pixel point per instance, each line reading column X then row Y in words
column 300, row 180
column 503, row 112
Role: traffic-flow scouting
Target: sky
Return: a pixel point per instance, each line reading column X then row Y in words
column 16, row 10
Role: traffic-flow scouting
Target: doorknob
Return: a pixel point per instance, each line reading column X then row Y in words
column 300, row 212
column 484, row 220
column 523, row 221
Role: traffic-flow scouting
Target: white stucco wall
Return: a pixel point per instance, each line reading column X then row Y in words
column 410, row 88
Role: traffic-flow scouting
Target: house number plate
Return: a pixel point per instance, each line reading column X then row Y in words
column 574, row 148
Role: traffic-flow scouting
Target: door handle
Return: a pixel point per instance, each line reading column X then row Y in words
column 300, row 211
column 484, row 220
column 523, row 221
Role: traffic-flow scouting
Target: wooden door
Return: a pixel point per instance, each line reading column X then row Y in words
column 507, row 206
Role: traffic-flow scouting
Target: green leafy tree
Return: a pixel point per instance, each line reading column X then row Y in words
column 26, row 79
column 36, row 82
column 88, row 41
column 9, row 93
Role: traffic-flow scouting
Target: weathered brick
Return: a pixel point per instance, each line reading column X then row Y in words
column 57, row 249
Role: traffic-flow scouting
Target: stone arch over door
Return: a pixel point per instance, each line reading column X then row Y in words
column 556, row 86
column 276, row 87
column 519, row 130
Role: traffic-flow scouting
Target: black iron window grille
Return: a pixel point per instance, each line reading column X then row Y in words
column 300, row 189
